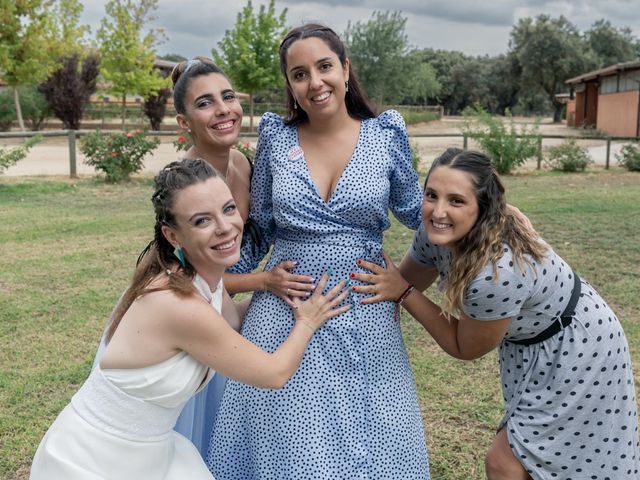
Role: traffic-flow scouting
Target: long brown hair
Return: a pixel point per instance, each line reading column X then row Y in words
column 494, row 227
column 158, row 257
column 358, row 105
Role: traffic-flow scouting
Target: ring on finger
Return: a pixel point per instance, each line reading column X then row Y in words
column 288, row 291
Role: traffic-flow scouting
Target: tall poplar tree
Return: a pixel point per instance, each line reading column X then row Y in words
column 128, row 55
column 249, row 53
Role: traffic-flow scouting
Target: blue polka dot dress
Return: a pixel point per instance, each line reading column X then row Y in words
column 351, row 410
column 570, row 404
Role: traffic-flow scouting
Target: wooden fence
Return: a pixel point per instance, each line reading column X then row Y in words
column 72, row 135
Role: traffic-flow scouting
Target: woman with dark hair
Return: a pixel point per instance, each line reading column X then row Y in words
column 565, row 368
column 209, row 110
column 172, row 329
column 325, row 178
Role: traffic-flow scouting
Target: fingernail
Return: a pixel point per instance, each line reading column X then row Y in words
column 358, row 261
column 347, row 282
column 330, row 271
column 353, row 289
column 352, row 275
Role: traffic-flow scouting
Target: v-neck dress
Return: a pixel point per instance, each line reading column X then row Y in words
column 351, row 410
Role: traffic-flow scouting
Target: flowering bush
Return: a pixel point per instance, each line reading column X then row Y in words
column 13, row 156
column 247, row 150
column 118, row 155
column 183, row 142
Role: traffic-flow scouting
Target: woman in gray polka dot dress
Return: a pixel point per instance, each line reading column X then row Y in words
column 570, row 406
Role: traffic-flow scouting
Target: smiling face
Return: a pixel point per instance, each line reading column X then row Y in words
column 450, row 207
column 316, row 78
column 212, row 112
column 208, row 226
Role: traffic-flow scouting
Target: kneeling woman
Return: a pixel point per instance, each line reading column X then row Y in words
column 565, row 366
column 173, row 328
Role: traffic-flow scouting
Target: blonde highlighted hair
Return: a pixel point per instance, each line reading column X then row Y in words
column 494, row 227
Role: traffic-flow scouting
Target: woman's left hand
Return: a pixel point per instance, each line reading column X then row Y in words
column 383, row 283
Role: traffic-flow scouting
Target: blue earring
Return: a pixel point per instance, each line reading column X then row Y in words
column 180, row 254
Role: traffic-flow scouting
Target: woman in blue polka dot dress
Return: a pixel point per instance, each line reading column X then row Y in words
column 570, row 406
column 324, row 180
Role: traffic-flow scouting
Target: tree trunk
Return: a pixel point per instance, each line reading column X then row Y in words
column 124, row 109
column 251, row 112
column 16, row 100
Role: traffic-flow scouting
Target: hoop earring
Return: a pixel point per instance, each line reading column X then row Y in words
column 346, row 86
column 178, row 252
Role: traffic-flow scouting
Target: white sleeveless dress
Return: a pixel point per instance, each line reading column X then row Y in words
column 119, row 425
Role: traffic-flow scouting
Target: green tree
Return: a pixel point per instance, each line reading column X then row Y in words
column 127, row 57
column 378, row 49
column 423, row 83
column 249, row 52
column 548, row 51
column 611, row 44
column 27, row 45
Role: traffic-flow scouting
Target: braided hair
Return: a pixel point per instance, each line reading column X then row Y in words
column 158, row 256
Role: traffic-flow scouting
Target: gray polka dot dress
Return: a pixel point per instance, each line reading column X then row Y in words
column 351, row 409
column 570, row 405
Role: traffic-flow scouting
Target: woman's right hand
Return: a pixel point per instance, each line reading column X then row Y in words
column 286, row 285
column 319, row 308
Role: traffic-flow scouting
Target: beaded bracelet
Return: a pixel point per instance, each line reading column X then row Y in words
column 405, row 294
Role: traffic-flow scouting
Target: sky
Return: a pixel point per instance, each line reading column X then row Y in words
column 194, row 27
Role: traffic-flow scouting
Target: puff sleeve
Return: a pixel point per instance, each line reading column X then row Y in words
column 405, row 195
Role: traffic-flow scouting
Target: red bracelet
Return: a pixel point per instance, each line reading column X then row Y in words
column 405, row 294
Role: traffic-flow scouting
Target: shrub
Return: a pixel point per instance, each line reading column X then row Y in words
column 7, row 110
column 629, row 157
column 507, row 147
column 69, row 88
column 34, row 106
column 568, row 157
column 14, row 155
column 118, row 155
column 247, row 150
column 415, row 155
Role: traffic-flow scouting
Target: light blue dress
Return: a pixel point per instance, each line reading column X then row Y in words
column 351, row 410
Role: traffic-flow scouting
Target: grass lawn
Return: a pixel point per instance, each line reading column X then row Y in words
column 69, row 247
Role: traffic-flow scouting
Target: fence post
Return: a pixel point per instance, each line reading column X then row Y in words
column 606, row 162
column 72, row 153
column 539, row 153
column 464, row 141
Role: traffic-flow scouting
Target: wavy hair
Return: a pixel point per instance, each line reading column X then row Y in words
column 158, row 257
column 358, row 105
column 494, row 227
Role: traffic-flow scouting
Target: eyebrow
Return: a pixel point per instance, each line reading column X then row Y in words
column 229, row 202
column 210, row 96
column 300, row 66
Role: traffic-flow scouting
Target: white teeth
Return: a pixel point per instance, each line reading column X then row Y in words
column 225, row 245
column 222, row 126
column 321, row 97
column 440, row 225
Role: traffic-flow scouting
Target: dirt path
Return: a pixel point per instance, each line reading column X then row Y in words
column 51, row 156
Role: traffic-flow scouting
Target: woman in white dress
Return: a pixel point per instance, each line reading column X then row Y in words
column 173, row 328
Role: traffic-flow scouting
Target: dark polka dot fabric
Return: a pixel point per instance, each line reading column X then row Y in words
column 351, row 410
column 570, row 405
